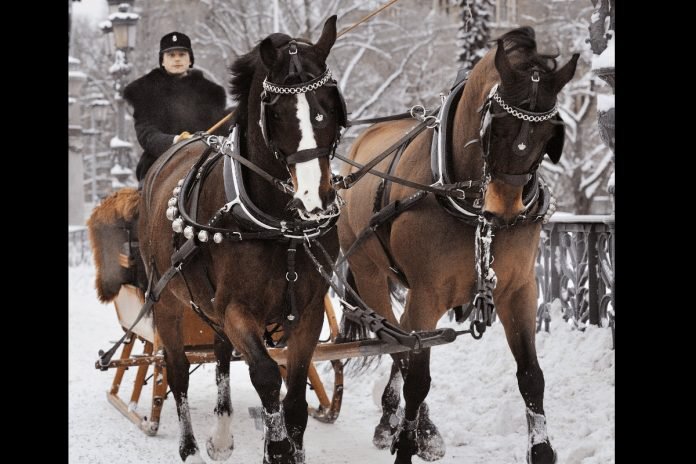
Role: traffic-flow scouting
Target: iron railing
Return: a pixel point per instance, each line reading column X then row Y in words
column 79, row 251
column 575, row 268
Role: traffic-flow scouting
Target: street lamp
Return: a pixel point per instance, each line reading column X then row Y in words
column 121, row 27
column 99, row 108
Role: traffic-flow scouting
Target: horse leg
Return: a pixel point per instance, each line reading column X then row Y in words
column 391, row 413
column 244, row 332
column 418, row 434
column 169, row 328
column 519, row 321
column 301, row 345
column 221, row 441
column 373, row 288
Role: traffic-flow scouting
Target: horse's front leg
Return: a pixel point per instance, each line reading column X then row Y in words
column 170, row 328
column 245, row 332
column 518, row 316
column 221, row 441
column 301, row 345
column 417, row 433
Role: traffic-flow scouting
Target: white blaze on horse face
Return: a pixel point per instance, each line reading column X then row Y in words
column 308, row 173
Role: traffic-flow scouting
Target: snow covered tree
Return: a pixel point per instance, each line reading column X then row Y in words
column 602, row 34
column 475, row 32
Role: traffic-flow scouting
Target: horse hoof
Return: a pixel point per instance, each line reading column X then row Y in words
column 220, row 451
column 383, row 437
column 431, row 446
column 194, row 458
column 280, row 452
column 542, row 453
column 386, row 429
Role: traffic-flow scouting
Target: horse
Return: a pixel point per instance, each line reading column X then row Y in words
column 504, row 121
column 246, row 273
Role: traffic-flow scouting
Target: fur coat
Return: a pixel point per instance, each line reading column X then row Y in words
column 164, row 106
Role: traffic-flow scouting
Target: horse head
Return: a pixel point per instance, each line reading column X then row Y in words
column 302, row 112
column 521, row 122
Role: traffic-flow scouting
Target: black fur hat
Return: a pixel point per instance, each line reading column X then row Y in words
column 175, row 41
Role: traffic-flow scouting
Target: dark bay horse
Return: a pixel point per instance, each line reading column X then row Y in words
column 498, row 138
column 246, row 218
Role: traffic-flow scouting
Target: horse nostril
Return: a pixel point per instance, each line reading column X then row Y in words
column 329, row 198
column 295, row 203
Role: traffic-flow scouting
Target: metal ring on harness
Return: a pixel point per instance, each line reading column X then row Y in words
column 419, row 111
column 473, row 328
column 287, row 277
column 435, row 122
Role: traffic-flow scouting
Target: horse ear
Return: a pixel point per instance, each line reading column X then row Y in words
column 269, row 54
column 327, row 39
column 554, row 147
column 502, row 63
column 566, row 73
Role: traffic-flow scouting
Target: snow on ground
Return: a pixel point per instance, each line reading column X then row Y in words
column 474, row 400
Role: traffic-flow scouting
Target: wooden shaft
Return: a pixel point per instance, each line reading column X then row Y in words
column 318, row 386
column 331, row 317
column 323, row 352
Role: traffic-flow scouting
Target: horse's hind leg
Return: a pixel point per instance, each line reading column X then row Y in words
column 169, row 328
column 221, row 441
column 245, row 334
column 391, row 414
column 519, row 321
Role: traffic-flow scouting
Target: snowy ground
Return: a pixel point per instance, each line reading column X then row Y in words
column 474, row 400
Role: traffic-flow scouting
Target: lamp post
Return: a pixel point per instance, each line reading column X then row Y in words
column 99, row 108
column 76, row 195
column 121, row 27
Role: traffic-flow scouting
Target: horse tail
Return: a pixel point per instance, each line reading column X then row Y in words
column 352, row 331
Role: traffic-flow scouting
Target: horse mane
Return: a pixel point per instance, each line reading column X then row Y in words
column 523, row 39
column 243, row 69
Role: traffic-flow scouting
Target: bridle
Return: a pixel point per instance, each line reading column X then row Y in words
column 521, row 143
column 308, row 85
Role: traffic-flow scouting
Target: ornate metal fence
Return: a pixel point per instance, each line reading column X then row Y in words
column 575, row 269
column 79, row 251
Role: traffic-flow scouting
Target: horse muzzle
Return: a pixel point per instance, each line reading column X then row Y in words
column 503, row 200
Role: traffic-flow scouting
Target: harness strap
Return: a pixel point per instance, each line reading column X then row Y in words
column 385, row 214
column 363, row 314
column 394, row 117
column 450, row 190
column 307, row 155
column 350, row 179
column 277, row 183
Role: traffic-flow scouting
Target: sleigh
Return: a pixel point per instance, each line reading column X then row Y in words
column 198, row 340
